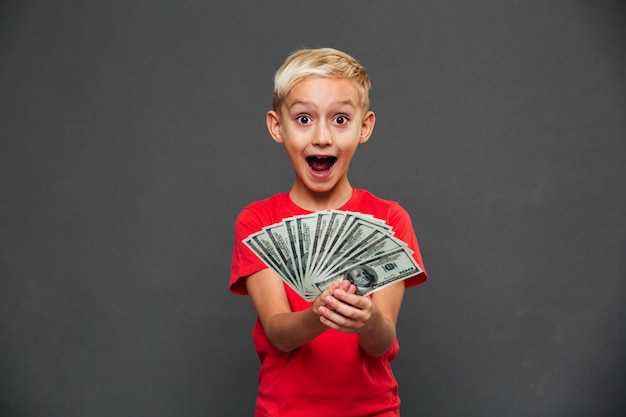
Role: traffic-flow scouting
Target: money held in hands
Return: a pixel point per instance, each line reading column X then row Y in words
column 310, row 251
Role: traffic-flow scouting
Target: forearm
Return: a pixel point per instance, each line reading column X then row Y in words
column 290, row 330
column 373, row 319
column 378, row 337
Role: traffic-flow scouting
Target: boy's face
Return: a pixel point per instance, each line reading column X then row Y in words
column 321, row 122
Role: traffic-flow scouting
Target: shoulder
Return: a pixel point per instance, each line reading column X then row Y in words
column 266, row 203
column 399, row 219
column 367, row 198
column 388, row 210
column 262, row 209
column 250, row 220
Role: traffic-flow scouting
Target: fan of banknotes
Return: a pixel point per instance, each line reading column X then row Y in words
column 311, row 251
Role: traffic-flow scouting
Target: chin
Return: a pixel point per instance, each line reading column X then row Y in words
column 321, row 189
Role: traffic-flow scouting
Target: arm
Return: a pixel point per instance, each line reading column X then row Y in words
column 286, row 330
column 337, row 307
column 374, row 319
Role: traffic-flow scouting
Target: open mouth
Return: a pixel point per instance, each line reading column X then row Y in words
column 321, row 163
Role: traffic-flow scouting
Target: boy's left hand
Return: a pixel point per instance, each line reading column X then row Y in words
column 347, row 312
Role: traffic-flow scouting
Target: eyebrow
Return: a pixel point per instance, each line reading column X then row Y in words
column 346, row 102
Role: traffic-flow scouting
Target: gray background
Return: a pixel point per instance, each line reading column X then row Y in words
column 132, row 133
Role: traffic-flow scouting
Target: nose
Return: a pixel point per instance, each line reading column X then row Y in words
column 322, row 135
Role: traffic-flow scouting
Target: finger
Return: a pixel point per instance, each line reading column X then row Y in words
column 338, row 321
column 347, row 314
column 328, row 291
column 323, row 298
column 358, row 301
column 345, row 285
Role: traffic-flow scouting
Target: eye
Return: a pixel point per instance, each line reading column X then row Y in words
column 341, row 119
column 303, row 119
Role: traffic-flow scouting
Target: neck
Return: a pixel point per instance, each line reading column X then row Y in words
column 316, row 201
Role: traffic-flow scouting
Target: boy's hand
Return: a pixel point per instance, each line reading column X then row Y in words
column 341, row 309
column 320, row 301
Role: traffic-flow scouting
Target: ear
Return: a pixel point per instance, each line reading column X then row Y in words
column 273, row 126
column 367, row 126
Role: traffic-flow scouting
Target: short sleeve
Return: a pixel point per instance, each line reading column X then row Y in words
column 244, row 261
column 402, row 225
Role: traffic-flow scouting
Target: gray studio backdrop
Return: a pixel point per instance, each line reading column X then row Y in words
column 132, row 133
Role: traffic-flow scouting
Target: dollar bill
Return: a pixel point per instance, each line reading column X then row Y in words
column 309, row 252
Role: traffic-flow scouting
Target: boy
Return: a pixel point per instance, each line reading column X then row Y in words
column 330, row 357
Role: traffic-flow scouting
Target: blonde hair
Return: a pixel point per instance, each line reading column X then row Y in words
column 322, row 62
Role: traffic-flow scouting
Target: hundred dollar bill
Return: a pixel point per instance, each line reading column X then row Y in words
column 307, row 229
column 334, row 225
column 300, row 230
column 360, row 232
column 340, row 233
column 281, row 237
column 262, row 246
column 310, row 251
column 376, row 273
column 321, row 223
column 375, row 245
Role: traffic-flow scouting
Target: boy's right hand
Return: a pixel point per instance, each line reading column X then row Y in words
column 344, row 285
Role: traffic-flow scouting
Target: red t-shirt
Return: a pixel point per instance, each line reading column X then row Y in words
column 330, row 375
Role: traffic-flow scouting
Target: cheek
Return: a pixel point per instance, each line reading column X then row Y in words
column 349, row 150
